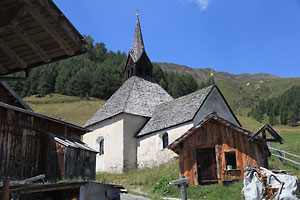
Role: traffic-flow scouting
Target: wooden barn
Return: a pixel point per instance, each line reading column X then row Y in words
column 216, row 149
column 33, row 144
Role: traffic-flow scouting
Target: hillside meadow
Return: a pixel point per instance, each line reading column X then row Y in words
column 67, row 108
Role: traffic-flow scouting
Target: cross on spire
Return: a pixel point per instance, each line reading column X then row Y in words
column 137, row 12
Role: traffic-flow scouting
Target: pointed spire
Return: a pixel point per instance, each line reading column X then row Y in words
column 138, row 63
column 138, row 43
column 212, row 76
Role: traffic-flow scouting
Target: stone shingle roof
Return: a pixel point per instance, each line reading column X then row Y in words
column 138, row 43
column 136, row 96
column 175, row 112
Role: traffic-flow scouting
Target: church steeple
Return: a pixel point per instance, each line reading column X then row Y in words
column 138, row 63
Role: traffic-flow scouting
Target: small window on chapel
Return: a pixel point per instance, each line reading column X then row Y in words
column 101, row 147
column 230, row 160
column 165, row 140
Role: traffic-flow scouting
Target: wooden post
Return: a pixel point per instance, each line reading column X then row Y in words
column 181, row 159
column 182, row 183
column 265, row 157
column 183, row 190
column 5, row 190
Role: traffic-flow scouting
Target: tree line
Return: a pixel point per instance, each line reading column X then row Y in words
column 284, row 109
column 98, row 73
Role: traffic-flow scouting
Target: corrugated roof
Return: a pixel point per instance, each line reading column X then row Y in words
column 176, row 112
column 71, row 142
column 136, row 96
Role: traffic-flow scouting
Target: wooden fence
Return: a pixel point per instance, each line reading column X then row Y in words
column 282, row 155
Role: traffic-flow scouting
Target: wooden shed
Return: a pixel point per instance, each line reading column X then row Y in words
column 33, row 144
column 216, row 149
column 73, row 158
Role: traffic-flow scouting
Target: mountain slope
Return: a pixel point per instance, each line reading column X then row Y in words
column 204, row 73
column 241, row 91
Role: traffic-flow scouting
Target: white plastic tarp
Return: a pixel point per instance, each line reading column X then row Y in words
column 254, row 188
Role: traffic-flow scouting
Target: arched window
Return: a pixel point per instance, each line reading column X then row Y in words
column 165, row 140
column 101, row 147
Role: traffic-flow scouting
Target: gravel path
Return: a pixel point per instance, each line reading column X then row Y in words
column 132, row 197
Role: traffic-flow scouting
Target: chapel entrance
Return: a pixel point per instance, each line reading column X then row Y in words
column 206, row 166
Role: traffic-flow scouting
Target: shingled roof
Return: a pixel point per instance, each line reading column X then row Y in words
column 136, row 96
column 138, row 43
column 176, row 112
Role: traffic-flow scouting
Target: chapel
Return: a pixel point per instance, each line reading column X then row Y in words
column 135, row 126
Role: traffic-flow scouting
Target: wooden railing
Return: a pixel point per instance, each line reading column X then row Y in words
column 281, row 154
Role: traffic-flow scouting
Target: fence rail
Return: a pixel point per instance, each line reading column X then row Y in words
column 282, row 154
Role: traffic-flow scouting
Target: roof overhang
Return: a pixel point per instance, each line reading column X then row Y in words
column 34, row 33
column 29, row 112
column 213, row 116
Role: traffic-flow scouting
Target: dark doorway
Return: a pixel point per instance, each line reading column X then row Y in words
column 206, row 166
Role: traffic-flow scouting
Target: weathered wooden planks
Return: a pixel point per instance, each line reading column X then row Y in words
column 24, row 145
column 222, row 139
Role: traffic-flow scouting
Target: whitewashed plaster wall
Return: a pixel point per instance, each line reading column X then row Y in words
column 132, row 124
column 214, row 103
column 150, row 151
column 112, row 132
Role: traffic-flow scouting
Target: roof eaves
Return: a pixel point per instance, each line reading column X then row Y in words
column 43, row 116
column 148, row 133
column 21, row 101
column 212, row 116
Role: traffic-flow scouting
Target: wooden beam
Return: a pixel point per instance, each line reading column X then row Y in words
column 47, row 26
column 5, row 190
column 19, row 61
column 3, row 70
column 34, row 46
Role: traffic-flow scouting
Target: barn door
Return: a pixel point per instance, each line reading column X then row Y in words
column 206, row 166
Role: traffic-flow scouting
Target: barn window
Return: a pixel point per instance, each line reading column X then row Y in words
column 165, row 140
column 101, row 148
column 230, row 160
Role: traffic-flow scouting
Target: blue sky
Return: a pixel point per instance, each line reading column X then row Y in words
column 235, row 36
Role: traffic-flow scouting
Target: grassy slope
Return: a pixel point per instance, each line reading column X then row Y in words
column 71, row 109
column 242, row 94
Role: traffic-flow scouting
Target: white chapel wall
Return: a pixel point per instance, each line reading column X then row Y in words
column 112, row 132
column 150, row 151
column 132, row 124
column 214, row 103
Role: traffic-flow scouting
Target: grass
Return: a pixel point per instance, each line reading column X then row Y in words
column 147, row 180
column 291, row 145
column 67, row 108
